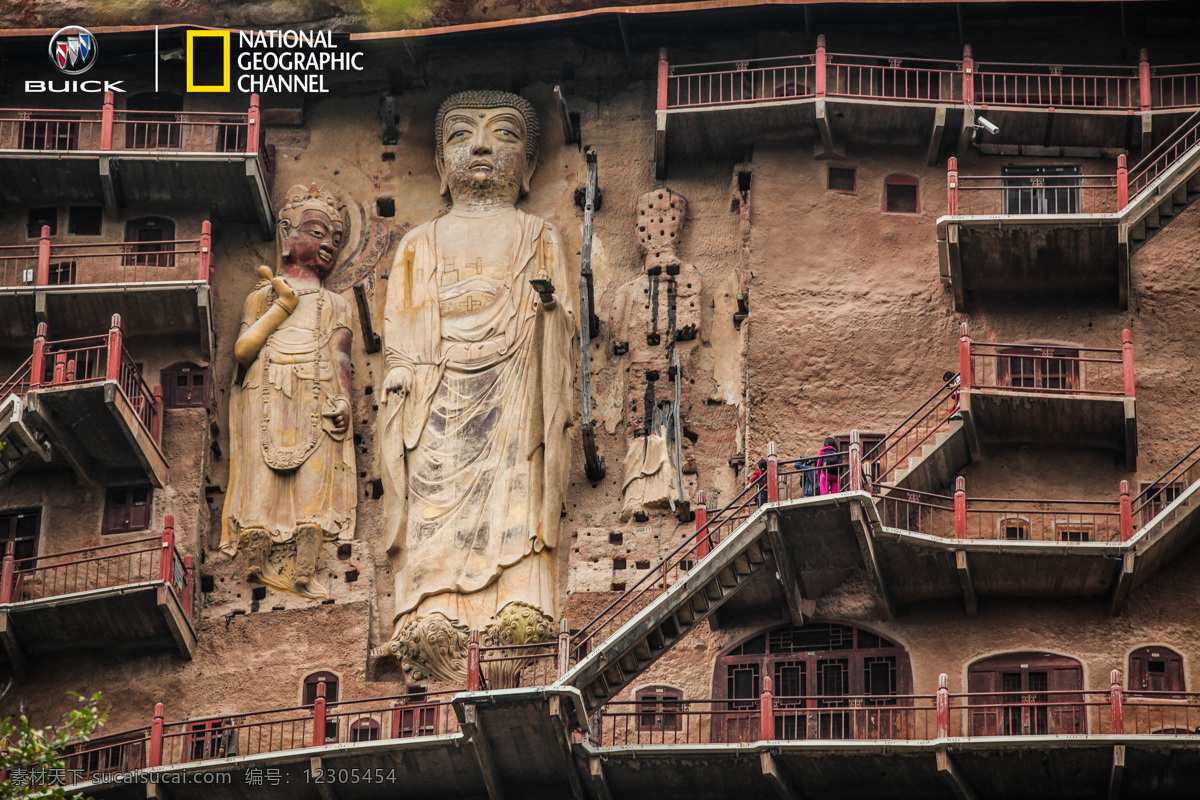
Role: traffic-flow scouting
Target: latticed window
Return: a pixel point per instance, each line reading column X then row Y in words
column 1024, row 694
column 1032, row 367
column 185, row 386
column 659, row 708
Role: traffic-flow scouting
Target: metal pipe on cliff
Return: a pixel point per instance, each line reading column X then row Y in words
column 589, row 325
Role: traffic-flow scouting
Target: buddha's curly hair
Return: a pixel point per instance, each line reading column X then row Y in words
column 491, row 98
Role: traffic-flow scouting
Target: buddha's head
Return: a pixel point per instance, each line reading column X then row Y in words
column 312, row 229
column 487, row 146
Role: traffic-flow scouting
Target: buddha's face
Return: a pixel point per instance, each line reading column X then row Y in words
column 483, row 154
column 315, row 242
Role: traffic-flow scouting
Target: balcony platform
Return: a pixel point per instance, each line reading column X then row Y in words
column 95, row 428
column 142, row 616
column 159, row 308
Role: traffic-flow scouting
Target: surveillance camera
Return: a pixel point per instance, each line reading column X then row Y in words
column 988, row 125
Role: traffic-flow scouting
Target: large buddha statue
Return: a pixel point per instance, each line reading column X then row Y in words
column 292, row 484
column 480, row 346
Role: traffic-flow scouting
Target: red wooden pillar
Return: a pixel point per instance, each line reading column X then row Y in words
column 820, row 78
column 43, row 266
column 106, row 122
column 60, row 369
column 252, row 126
column 564, row 647
column 1126, row 513
column 1127, row 360
column 952, row 186
column 189, row 585
column 37, row 369
column 703, row 545
column 206, row 252
column 960, row 508
column 766, row 711
column 855, row 462
column 943, row 706
column 166, row 559
column 154, row 757
column 772, row 476
column 318, row 736
column 112, row 370
column 1122, row 182
column 965, row 373
column 7, row 572
column 473, row 662
column 968, row 76
column 664, row 76
column 1116, row 699
column 156, row 415
column 1144, row 79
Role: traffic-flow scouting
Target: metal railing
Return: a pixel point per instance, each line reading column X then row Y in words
column 1047, row 369
column 1123, row 89
column 108, row 566
column 510, row 665
column 1163, row 490
column 61, row 264
column 988, row 195
column 1161, row 158
column 918, row 429
column 126, row 130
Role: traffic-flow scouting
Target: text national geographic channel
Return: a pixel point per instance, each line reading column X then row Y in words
column 272, row 61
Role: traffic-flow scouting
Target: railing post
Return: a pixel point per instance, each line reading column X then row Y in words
column 766, row 711
column 154, row 757
column 855, row 462
column 703, row 546
column 206, row 252
column 473, row 662
column 252, row 126
column 664, row 73
column 964, row 358
column 772, row 476
column 1122, row 181
column 43, row 266
column 1116, row 699
column 952, row 186
column 156, row 415
column 1144, row 78
column 112, row 370
column 60, row 369
column 1126, row 513
column 960, row 508
column 189, row 585
column 166, row 559
column 968, row 75
column 318, row 736
column 1127, row 360
column 7, row 572
column 943, row 706
column 106, row 122
column 820, row 78
column 37, row 369
column 564, row 647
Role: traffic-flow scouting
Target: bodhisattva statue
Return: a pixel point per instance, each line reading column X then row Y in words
column 292, row 484
column 481, row 360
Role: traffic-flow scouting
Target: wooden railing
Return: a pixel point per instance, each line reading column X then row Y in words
column 1163, row 490
column 918, row 429
column 105, row 263
column 109, row 566
column 965, row 82
column 124, row 130
column 1047, row 369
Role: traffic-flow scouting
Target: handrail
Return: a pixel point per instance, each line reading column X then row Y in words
column 1183, row 139
column 19, row 378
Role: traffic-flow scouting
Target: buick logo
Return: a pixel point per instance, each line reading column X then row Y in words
column 73, row 50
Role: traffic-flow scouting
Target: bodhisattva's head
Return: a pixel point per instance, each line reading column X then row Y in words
column 312, row 229
column 487, row 146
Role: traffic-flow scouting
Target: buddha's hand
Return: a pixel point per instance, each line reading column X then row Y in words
column 545, row 289
column 284, row 295
column 398, row 382
column 339, row 415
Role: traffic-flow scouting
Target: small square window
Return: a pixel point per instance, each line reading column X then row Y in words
column 39, row 217
column 900, row 195
column 385, row 206
column 1014, row 530
column 842, row 179
column 618, row 563
column 127, row 509
column 85, row 220
column 1074, row 533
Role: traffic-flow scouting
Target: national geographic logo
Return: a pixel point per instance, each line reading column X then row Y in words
column 267, row 61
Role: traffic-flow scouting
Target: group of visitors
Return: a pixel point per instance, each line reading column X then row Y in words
column 818, row 476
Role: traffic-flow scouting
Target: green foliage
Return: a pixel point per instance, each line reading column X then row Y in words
column 32, row 757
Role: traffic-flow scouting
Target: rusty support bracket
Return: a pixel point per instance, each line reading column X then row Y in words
column 953, row 778
column 777, row 779
column 1117, row 772
column 970, row 599
column 370, row 337
column 472, row 726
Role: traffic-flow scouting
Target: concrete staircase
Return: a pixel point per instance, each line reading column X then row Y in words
column 20, row 441
column 935, row 464
column 1172, row 191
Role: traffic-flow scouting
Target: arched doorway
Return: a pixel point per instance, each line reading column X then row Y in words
column 831, row 681
column 1026, row 694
